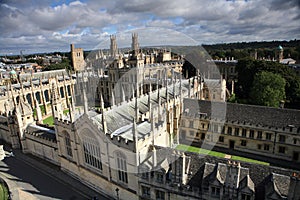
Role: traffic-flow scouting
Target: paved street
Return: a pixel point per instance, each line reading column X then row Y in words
column 33, row 184
column 41, row 181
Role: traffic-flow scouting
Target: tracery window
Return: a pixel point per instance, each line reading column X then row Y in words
column 68, row 144
column 92, row 153
column 121, row 167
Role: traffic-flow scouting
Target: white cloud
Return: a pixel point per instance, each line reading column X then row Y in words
column 36, row 25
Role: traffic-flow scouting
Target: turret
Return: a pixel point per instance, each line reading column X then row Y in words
column 113, row 47
column 56, row 105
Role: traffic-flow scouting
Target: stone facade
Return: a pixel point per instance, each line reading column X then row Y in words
column 271, row 132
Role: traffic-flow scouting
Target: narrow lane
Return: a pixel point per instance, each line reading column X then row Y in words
column 33, row 184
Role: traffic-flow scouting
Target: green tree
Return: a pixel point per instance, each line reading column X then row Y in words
column 248, row 68
column 268, row 89
column 65, row 64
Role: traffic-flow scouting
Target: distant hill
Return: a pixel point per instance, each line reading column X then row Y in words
column 253, row 45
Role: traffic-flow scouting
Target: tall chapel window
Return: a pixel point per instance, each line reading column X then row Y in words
column 68, row 144
column 121, row 167
column 92, row 153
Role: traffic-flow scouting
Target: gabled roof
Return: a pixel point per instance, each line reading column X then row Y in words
column 214, row 172
column 246, row 182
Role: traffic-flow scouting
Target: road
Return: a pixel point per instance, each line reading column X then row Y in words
column 32, row 181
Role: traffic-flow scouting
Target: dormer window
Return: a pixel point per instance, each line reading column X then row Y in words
column 159, row 177
column 246, row 196
column 215, row 191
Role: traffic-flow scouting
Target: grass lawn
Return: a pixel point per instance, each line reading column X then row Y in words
column 3, row 192
column 249, row 160
column 50, row 121
column 217, row 154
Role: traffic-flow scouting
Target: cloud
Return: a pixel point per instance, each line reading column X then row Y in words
column 53, row 25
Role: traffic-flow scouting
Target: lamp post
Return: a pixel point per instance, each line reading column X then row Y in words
column 117, row 191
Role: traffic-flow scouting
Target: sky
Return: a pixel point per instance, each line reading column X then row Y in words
column 36, row 26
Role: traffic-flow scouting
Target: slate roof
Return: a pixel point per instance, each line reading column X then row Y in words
column 3, row 120
column 41, row 132
column 256, row 115
column 202, row 170
column 281, row 184
column 119, row 118
column 253, row 175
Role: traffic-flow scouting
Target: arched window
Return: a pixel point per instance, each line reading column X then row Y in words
column 68, row 144
column 62, row 93
column 46, row 94
column 121, row 167
column 92, row 153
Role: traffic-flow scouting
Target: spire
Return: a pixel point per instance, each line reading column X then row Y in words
column 137, row 112
column 38, row 111
column 194, row 87
column 173, row 82
column 6, row 108
column 150, row 84
column 143, row 82
column 112, row 98
column 123, row 94
column 12, row 95
column 152, row 128
column 132, row 89
column 101, row 102
column 72, row 103
column 85, row 102
column 166, row 80
column 55, row 96
column 104, row 125
column 189, row 89
column 22, row 88
column 134, row 128
column 157, row 83
column 149, row 94
column 55, row 102
column 71, row 113
column 159, row 103
column 137, row 83
column 180, row 87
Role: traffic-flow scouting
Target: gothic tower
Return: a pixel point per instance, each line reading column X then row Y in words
column 135, row 45
column 113, row 46
column 77, row 58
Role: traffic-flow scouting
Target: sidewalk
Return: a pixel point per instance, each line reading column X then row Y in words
column 56, row 173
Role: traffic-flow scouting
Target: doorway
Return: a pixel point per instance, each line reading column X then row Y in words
column 231, row 144
column 295, row 156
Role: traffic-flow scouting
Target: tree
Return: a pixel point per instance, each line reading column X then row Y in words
column 247, row 69
column 65, row 64
column 268, row 89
